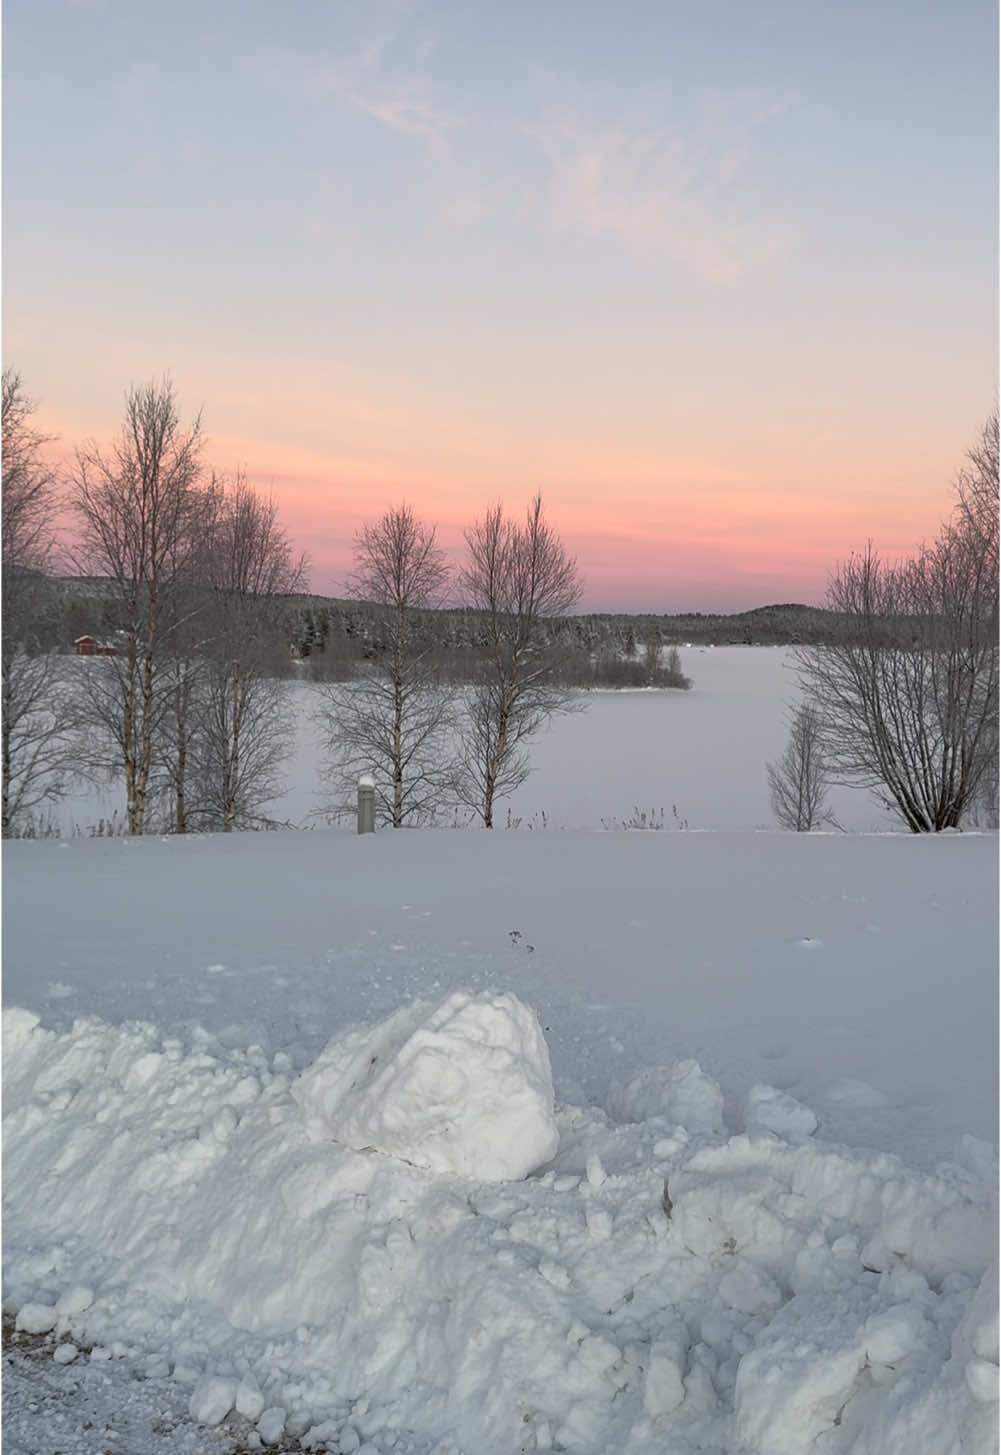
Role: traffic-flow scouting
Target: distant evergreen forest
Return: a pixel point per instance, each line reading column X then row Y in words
column 345, row 627
column 328, row 638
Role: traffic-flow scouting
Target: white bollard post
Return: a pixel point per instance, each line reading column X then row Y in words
column 366, row 804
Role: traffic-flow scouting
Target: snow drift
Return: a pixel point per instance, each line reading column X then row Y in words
column 185, row 1207
column 464, row 1087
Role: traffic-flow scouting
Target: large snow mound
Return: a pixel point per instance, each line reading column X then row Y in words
column 463, row 1088
column 166, row 1204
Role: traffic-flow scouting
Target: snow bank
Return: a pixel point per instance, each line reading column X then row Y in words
column 681, row 1094
column 172, row 1205
column 462, row 1088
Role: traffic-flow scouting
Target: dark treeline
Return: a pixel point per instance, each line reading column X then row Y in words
column 601, row 648
column 335, row 636
column 328, row 638
column 341, row 630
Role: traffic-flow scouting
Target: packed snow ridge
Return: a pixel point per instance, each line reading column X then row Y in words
column 409, row 1248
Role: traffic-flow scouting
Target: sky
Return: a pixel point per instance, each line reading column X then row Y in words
column 719, row 280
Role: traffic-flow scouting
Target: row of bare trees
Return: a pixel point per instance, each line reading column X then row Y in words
column 905, row 701
column 196, row 571
column 192, row 570
column 194, row 574
column 432, row 746
column 34, row 741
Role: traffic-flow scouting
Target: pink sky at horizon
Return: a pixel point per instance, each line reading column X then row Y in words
column 650, row 534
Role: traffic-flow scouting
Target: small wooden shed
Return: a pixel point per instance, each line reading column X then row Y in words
column 90, row 647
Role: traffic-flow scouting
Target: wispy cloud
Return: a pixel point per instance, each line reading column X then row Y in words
column 659, row 192
column 381, row 71
column 405, row 110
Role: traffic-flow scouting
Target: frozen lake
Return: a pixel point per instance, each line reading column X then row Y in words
column 698, row 758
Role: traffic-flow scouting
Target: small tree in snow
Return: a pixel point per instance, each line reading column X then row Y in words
column 396, row 721
column 245, row 726
column 798, row 781
column 137, row 510
column 516, row 576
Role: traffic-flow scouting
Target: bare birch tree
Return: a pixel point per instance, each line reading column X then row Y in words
column 184, row 668
column 517, row 576
column 29, row 485
column 35, row 735
column 245, row 721
column 909, row 694
column 136, row 508
column 972, row 534
column 394, row 722
column 798, row 781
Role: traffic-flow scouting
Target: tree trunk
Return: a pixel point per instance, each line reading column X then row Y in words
column 181, row 810
column 5, row 734
column 494, row 765
column 128, row 749
column 233, row 767
column 398, row 725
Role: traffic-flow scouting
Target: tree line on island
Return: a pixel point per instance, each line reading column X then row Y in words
column 201, row 613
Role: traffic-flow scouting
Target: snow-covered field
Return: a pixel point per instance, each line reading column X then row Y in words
column 468, row 1142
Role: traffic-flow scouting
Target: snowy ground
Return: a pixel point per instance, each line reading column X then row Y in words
column 459, row 1142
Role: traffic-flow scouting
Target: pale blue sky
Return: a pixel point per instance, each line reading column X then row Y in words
column 628, row 253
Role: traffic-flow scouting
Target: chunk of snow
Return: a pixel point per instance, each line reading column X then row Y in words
column 599, row 1222
column 249, row 1400
column 463, row 1087
column 18, row 1025
column 65, row 1353
column 211, row 1400
column 681, row 1093
column 768, row 1109
column 271, row 1424
column 75, row 1300
column 749, row 1289
column 297, row 1422
column 595, row 1171
column 894, row 1333
column 664, row 1386
column 36, row 1318
column 793, row 1386
column 325, row 1436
